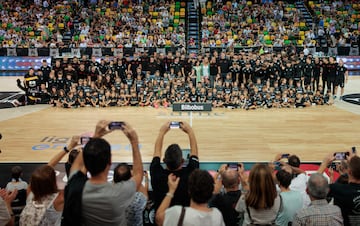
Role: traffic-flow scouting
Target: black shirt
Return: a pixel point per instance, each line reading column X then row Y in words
column 226, row 204
column 346, row 196
column 159, row 178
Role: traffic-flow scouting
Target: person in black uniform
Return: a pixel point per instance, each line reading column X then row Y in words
column 332, row 75
column 325, row 74
column 46, row 69
column 288, row 71
column 247, row 73
column 308, row 73
column 342, row 76
column 316, row 73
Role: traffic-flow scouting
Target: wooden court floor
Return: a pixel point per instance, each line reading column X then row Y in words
column 223, row 134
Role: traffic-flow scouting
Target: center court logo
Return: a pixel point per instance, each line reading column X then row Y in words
column 57, row 143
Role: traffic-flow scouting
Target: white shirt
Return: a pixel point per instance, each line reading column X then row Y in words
column 193, row 217
column 299, row 184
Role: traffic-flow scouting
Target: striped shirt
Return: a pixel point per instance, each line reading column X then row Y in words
column 319, row 213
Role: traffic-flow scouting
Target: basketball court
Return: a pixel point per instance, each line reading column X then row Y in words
column 36, row 133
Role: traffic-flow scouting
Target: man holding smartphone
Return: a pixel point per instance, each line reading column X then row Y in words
column 103, row 203
column 174, row 164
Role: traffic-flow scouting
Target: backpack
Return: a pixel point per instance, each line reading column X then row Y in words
column 34, row 212
column 72, row 215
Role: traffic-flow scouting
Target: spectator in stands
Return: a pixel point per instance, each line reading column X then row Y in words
column 262, row 204
column 6, row 214
column 292, row 200
column 16, row 182
column 225, row 202
column 102, row 202
column 134, row 212
column 174, row 165
column 201, row 187
column 45, row 202
column 45, row 193
column 299, row 178
column 320, row 212
column 344, row 195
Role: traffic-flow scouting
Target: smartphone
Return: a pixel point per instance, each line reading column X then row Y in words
column 277, row 164
column 116, row 125
column 341, row 155
column 84, row 140
column 333, row 165
column 174, row 125
column 353, row 150
column 233, row 166
column 285, row 156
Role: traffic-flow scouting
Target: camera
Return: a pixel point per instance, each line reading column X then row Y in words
column 341, row 155
column 116, row 125
column 174, row 125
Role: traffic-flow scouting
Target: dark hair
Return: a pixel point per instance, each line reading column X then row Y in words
column 262, row 192
column 173, row 157
column 294, row 161
column 16, row 172
column 201, row 186
column 284, row 178
column 354, row 167
column 122, row 172
column 43, row 182
column 97, row 155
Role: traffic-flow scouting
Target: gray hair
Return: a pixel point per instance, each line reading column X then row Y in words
column 318, row 186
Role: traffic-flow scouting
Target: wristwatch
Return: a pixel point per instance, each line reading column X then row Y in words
column 66, row 149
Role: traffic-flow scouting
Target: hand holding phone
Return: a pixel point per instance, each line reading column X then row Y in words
column 233, row 166
column 115, row 125
column 341, row 155
column 84, row 140
column 285, row 156
column 174, row 125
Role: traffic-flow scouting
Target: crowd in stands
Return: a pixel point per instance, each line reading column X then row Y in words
column 58, row 24
column 244, row 80
column 275, row 193
column 235, row 24
column 337, row 22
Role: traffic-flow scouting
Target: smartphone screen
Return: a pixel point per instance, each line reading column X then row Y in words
column 285, row 156
column 340, row 155
column 233, row 166
column 174, row 125
column 115, row 125
column 353, row 149
column 84, row 140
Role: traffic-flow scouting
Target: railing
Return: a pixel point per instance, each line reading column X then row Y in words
column 99, row 52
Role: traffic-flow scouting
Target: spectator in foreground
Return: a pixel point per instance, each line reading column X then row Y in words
column 21, row 186
column 16, row 181
column 225, row 202
column 104, row 203
column 262, row 204
column 292, row 200
column 6, row 214
column 345, row 195
column 45, row 202
column 320, row 212
column 201, row 187
column 134, row 212
column 174, row 164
